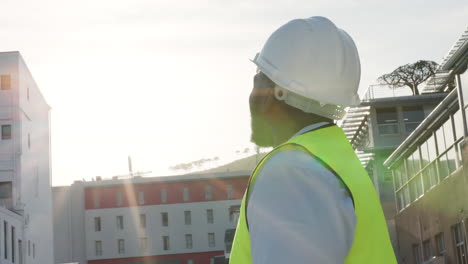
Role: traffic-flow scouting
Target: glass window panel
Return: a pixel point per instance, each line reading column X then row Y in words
column 387, row 116
column 412, row 116
column 440, row 139
column 451, row 160
column 416, row 161
column 426, row 179
column 424, row 154
column 429, row 177
column 431, row 148
column 443, row 167
column 459, row 152
column 464, row 86
column 458, row 121
column 413, row 190
column 397, row 177
column 416, row 188
column 406, row 195
column 419, row 185
column 433, row 174
column 399, row 197
column 448, row 132
column 409, row 166
column 403, row 173
column 387, row 121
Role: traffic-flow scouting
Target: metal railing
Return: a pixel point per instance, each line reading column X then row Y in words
column 377, row 91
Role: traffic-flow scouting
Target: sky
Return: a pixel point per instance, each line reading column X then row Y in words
column 167, row 82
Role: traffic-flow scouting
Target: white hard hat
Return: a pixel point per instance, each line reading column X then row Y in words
column 314, row 64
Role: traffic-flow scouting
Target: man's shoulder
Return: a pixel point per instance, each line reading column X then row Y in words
column 290, row 156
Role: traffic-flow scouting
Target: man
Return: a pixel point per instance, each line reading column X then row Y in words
column 309, row 200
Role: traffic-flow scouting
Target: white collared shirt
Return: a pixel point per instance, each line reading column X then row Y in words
column 299, row 211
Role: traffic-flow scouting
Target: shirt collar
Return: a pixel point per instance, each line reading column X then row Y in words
column 310, row 128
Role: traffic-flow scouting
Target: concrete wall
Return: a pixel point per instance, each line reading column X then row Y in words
column 35, row 179
column 69, row 232
column 25, row 158
column 154, row 231
column 437, row 211
column 20, row 248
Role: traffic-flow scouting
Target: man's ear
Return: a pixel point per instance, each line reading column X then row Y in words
column 263, row 94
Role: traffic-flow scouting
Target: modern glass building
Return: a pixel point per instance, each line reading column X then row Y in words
column 430, row 183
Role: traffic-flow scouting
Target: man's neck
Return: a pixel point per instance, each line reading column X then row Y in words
column 287, row 131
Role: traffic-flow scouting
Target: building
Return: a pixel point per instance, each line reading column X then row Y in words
column 429, row 175
column 377, row 126
column 25, row 177
column 164, row 220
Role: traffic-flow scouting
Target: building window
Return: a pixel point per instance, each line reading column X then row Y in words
column 417, row 253
column 98, row 247
column 230, row 191
column 464, row 86
column 5, row 82
column 144, row 244
column 188, row 217
column 121, row 246
column 440, row 242
column 234, row 212
column 20, row 251
column 188, row 241
column 165, row 242
column 34, row 250
column 387, row 121
column 209, row 216
column 13, row 244
column 97, row 200
column 163, row 196
column 165, row 219
column 458, row 121
column 29, row 141
column 208, row 192
column 27, row 93
column 120, row 222
column 29, row 247
column 5, row 239
column 6, row 132
column 186, row 194
column 5, row 190
column 412, row 116
column 190, row 261
column 141, row 197
column 387, row 176
column 459, row 239
column 427, row 250
column 211, row 240
column 142, row 220
column 97, row 224
column 119, row 198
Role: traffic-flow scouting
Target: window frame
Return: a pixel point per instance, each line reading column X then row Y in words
column 211, row 240
column 6, row 135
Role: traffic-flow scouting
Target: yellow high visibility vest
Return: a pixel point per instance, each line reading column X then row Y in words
column 371, row 244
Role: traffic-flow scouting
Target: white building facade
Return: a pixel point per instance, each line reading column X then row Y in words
column 174, row 219
column 25, row 177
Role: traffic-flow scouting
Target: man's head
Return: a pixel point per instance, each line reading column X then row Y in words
column 273, row 120
column 309, row 71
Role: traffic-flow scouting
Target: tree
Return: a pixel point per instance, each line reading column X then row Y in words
column 410, row 75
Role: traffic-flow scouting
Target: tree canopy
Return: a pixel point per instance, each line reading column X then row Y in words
column 410, row 75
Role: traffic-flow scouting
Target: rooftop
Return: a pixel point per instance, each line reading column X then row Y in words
column 156, row 179
column 439, row 80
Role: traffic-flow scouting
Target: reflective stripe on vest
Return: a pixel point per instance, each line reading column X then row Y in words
column 371, row 242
